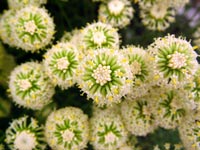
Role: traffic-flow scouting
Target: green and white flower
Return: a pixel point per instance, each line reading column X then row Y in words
column 194, row 90
column 171, row 107
column 118, row 13
column 141, row 64
column 61, row 62
column 25, row 134
column 32, row 28
column 107, row 131
column 138, row 115
column 175, row 61
column 99, row 35
column 17, row 4
column 67, row 129
column 30, row 87
column 157, row 15
column 189, row 131
column 105, row 76
column 6, row 21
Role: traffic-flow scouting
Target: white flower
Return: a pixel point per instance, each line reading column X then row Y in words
column 138, row 115
column 61, row 62
column 67, row 129
column 25, row 134
column 30, row 87
column 105, row 76
column 32, row 28
column 157, row 15
column 174, row 61
column 6, row 21
column 118, row 13
column 99, row 35
column 107, row 130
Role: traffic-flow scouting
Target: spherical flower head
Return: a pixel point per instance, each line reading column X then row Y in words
column 141, row 64
column 194, row 90
column 33, row 28
column 107, row 132
column 99, row 35
column 25, row 134
column 67, row 129
column 138, row 116
column 196, row 37
column 6, row 21
column 17, row 4
column 61, row 62
column 30, row 87
column 189, row 131
column 118, row 13
column 175, row 61
column 171, row 107
column 157, row 16
column 105, row 76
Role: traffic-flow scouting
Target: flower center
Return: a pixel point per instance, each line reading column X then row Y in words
column 136, row 68
column 67, row 135
column 25, row 84
column 110, row 137
column 115, row 7
column 99, row 37
column 25, row 141
column 158, row 11
column 102, row 74
column 62, row 63
column 30, row 27
column 177, row 61
column 175, row 104
column 146, row 110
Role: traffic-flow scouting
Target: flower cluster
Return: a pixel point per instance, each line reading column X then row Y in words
column 29, row 86
column 104, row 76
column 29, row 28
column 157, row 15
column 99, row 35
column 67, row 129
column 60, row 63
column 107, row 129
column 175, row 61
column 190, row 132
column 25, row 134
column 134, row 90
column 138, row 115
column 118, row 13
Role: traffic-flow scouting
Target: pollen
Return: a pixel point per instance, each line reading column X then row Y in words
column 102, row 74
